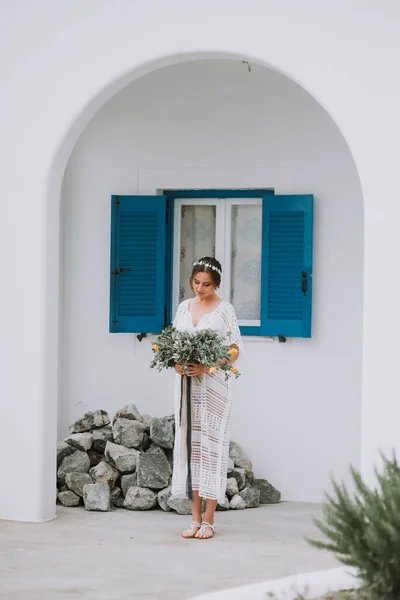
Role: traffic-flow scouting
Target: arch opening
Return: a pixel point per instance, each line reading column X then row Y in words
column 136, row 87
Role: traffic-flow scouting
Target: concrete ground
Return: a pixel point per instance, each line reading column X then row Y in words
column 132, row 555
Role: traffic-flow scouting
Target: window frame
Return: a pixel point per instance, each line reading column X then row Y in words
column 210, row 197
column 219, row 245
column 229, row 203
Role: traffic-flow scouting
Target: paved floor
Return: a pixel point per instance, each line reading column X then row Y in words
column 130, row 555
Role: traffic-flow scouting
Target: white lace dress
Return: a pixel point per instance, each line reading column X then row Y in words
column 211, row 409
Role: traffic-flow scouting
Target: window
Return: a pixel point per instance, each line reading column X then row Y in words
column 263, row 241
column 226, row 225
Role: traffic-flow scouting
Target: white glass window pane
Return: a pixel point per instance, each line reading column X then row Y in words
column 246, row 261
column 197, row 240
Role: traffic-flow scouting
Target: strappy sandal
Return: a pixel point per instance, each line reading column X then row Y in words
column 204, row 526
column 191, row 530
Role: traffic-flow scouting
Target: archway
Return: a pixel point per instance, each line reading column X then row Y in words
column 304, row 408
column 45, row 109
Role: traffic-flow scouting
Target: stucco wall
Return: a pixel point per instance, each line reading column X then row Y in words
column 201, row 124
column 61, row 62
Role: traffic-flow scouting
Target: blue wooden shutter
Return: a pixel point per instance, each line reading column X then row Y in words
column 286, row 280
column 137, row 285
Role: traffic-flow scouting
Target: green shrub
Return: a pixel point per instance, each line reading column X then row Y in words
column 363, row 530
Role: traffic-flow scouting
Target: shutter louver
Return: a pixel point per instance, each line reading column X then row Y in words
column 287, row 266
column 137, row 264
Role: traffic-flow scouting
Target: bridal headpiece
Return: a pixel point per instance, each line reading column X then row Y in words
column 208, row 265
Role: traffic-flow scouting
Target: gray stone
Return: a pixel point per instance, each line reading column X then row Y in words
column 237, row 503
column 101, row 437
column 124, row 459
column 268, row 494
column 81, row 441
column 94, row 457
column 153, row 471
column 225, row 505
column 231, row 465
column 180, row 505
column 240, row 476
column 244, row 463
column 146, row 420
column 128, row 481
column 78, row 462
column 251, row 497
column 170, row 455
column 76, row 481
column 146, row 443
column 162, row 497
column 115, row 494
column 63, row 450
column 171, row 419
column 104, row 473
column 138, row 498
column 90, row 420
column 128, row 433
column 68, row 498
column 232, row 488
column 118, row 502
column 162, row 432
column 249, row 478
column 236, row 451
column 129, row 411
column 97, row 496
column 154, row 449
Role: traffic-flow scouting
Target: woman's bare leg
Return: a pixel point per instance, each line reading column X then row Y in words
column 195, row 505
column 208, row 518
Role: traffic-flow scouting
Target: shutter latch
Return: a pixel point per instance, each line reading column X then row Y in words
column 117, row 271
column 304, row 283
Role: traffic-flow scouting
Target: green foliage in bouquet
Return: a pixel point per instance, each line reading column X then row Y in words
column 363, row 530
column 205, row 347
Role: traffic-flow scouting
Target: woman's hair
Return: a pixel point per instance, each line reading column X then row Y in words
column 210, row 265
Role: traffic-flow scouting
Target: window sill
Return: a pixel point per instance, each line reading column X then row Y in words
column 258, row 338
column 247, row 338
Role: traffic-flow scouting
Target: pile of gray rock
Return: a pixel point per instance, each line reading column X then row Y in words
column 128, row 464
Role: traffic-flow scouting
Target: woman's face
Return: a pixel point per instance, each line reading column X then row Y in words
column 203, row 285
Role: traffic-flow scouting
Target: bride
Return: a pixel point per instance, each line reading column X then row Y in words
column 211, row 402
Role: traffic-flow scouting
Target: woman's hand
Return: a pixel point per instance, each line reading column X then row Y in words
column 179, row 368
column 233, row 353
column 195, row 370
column 192, row 369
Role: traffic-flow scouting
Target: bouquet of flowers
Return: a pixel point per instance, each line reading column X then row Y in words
column 205, row 347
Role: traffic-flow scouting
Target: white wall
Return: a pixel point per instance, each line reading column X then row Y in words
column 297, row 409
column 60, row 62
